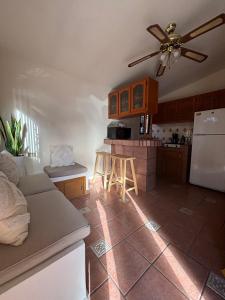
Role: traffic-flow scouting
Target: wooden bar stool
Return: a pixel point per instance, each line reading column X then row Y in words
column 103, row 160
column 121, row 180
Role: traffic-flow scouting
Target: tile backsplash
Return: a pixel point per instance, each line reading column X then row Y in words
column 164, row 131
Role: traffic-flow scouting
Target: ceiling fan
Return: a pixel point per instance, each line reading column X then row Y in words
column 171, row 43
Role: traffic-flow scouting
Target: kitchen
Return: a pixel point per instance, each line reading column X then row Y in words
column 164, row 137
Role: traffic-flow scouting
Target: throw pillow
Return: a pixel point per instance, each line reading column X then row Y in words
column 61, row 155
column 9, row 167
column 14, row 218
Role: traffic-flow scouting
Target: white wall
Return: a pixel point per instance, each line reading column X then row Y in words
column 209, row 83
column 64, row 109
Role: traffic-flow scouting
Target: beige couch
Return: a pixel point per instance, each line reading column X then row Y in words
column 55, row 225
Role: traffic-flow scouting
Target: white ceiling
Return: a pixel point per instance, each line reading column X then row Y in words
column 95, row 39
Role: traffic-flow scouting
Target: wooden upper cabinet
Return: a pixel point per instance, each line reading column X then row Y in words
column 212, row 100
column 203, row 102
column 167, row 113
column 139, row 96
column 124, row 102
column 185, row 110
column 170, row 112
column 182, row 110
column 159, row 117
column 219, row 99
column 113, row 105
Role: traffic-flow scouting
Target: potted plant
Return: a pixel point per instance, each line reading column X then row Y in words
column 12, row 133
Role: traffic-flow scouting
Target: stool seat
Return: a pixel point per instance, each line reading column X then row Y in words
column 123, row 160
column 123, row 157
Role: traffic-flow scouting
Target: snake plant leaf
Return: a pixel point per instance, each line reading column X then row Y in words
column 10, row 141
column 3, row 131
column 13, row 133
column 13, row 125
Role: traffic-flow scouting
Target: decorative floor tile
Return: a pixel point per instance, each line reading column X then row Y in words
column 186, row 211
column 152, row 225
column 100, row 248
column 217, row 284
column 85, row 210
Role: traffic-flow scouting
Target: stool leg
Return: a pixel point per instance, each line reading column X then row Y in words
column 111, row 175
column 116, row 173
column 121, row 169
column 120, row 178
column 95, row 168
column 124, row 180
column 134, row 176
column 106, row 158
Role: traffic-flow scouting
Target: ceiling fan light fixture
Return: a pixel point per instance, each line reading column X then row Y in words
column 171, row 43
column 163, row 56
column 177, row 53
column 169, row 57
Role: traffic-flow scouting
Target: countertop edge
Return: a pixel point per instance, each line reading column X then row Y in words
column 134, row 143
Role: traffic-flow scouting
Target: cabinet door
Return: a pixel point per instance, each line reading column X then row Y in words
column 138, row 96
column 203, row 102
column 185, row 109
column 170, row 164
column 160, row 116
column 219, row 99
column 74, row 187
column 173, row 165
column 113, row 105
column 170, row 112
column 124, row 102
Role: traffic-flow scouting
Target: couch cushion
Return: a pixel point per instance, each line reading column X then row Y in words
column 75, row 169
column 14, row 217
column 9, row 167
column 34, row 184
column 55, row 225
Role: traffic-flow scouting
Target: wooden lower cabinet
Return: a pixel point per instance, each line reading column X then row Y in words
column 173, row 164
column 72, row 188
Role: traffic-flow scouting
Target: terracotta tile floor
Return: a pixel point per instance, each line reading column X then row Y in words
column 172, row 263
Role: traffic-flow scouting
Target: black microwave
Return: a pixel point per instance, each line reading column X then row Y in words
column 119, row 133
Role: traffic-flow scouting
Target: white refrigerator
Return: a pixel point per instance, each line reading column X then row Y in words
column 208, row 150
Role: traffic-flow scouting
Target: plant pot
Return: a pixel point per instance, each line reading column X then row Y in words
column 20, row 162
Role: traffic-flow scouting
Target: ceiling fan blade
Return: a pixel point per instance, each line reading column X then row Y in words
column 161, row 70
column 215, row 22
column 158, row 33
column 194, row 55
column 143, row 59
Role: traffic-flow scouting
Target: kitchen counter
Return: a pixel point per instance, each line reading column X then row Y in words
column 134, row 143
column 144, row 150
